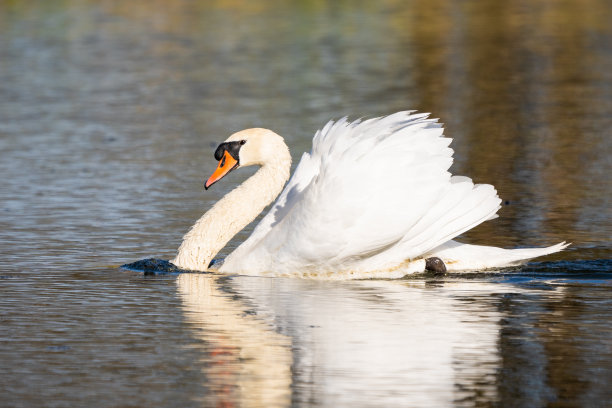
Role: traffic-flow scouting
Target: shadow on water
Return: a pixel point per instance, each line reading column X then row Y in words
column 153, row 266
column 587, row 270
column 561, row 271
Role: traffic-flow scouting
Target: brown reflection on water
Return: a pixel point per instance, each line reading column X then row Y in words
column 524, row 90
column 579, row 149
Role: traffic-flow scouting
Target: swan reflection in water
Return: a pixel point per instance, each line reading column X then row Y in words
column 276, row 341
column 247, row 362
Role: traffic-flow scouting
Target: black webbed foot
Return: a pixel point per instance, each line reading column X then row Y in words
column 435, row 265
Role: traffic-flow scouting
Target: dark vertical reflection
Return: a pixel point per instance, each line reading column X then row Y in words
column 522, row 374
column 576, row 74
column 432, row 26
column 524, row 90
column 550, row 355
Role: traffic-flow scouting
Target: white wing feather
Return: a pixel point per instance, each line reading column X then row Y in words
column 370, row 195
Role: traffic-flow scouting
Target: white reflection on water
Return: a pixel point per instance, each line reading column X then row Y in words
column 268, row 341
column 246, row 360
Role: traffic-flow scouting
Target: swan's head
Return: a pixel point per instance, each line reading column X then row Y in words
column 247, row 148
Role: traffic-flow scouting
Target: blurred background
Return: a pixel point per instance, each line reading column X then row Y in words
column 110, row 112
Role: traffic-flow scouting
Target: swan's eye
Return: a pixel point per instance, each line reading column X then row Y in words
column 230, row 147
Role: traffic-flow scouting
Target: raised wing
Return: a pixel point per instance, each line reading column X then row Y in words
column 370, row 195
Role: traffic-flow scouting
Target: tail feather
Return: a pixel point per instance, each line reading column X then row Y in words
column 458, row 256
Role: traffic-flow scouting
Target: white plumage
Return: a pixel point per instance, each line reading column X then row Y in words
column 373, row 198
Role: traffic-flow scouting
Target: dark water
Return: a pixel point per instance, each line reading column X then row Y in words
column 109, row 113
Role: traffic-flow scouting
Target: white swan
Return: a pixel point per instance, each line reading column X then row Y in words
column 373, row 198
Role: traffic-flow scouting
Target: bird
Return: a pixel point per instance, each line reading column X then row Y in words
column 373, row 198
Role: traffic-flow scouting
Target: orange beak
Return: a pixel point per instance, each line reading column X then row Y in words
column 226, row 164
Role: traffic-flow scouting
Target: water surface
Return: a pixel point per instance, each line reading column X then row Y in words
column 110, row 113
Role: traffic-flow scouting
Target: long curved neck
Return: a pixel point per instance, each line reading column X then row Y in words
column 230, row 215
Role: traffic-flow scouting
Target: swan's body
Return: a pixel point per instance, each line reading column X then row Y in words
column 371, row 199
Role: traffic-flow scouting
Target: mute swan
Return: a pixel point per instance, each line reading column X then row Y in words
column 373, row 198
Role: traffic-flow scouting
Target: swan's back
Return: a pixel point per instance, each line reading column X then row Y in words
column 370, row 195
